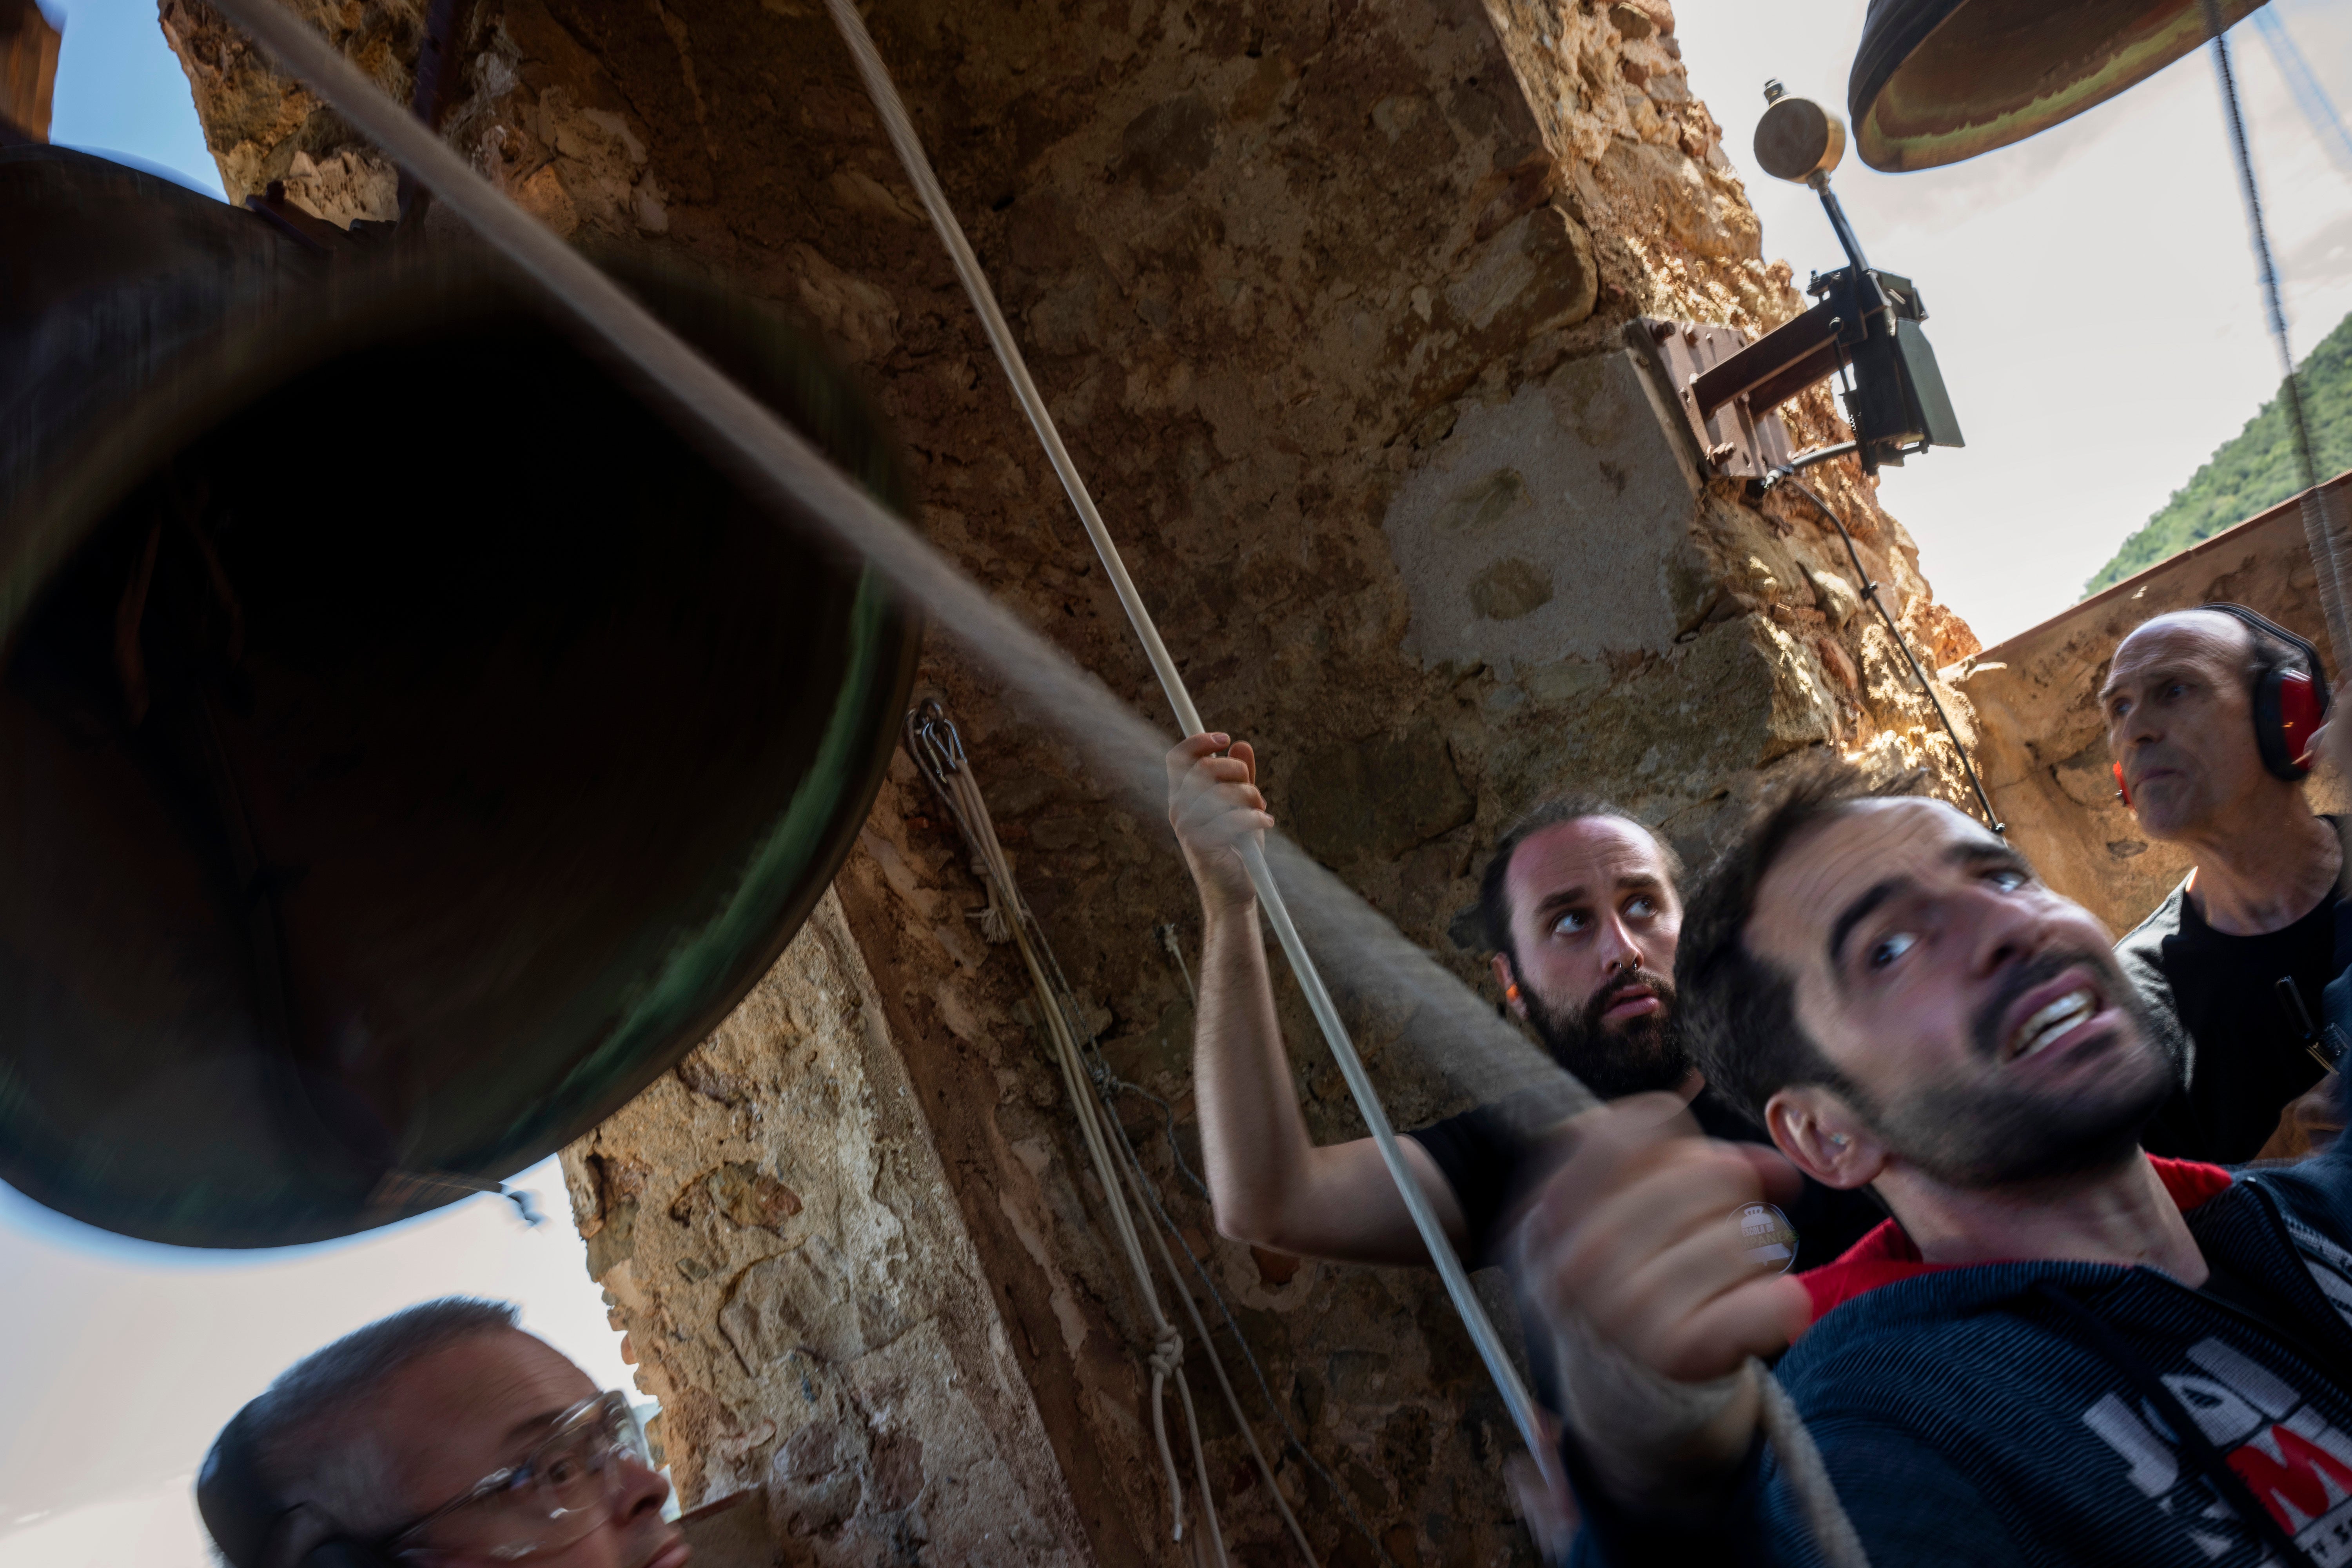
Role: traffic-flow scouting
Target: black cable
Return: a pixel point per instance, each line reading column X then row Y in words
column 2318, row 533
column 1870, row 591
column 2215, row 30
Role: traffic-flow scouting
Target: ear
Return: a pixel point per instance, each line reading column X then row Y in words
column 1822, row 1137
column 1507, row 980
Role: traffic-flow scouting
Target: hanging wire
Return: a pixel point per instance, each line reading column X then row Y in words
column 2318, row 534
column 1107, row 1080
column 2304, row 88
column 1272, row 904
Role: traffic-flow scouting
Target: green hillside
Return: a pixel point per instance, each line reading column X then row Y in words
column 2254, row 469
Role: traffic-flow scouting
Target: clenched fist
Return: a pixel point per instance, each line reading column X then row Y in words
column 1631, row 1258
column 1213, row 805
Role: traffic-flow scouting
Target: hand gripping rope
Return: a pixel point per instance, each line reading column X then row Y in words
column 775, row 461
column 1833, row 1531
column 917, row 166
column 931, row 740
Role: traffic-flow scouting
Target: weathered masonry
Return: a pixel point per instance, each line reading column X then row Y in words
column 1330, row 302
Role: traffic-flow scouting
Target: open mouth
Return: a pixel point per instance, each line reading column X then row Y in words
column 2050, row 1013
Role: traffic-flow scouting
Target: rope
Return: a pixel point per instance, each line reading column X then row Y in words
column 893, row 110
column 2317, row 537
column 932, row 740
column 776, row 463
column 1107, row 1081
column 1809, row 1477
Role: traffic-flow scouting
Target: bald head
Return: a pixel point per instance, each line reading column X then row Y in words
column 2216, row 630
column 2178, row 706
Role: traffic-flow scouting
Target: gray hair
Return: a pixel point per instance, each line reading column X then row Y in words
column 310, row 1437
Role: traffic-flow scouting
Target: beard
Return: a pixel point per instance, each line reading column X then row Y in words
column 1976, row 1130
column 1637, row 1056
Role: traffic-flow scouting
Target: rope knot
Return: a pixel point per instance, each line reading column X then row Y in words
column 1166, row 1353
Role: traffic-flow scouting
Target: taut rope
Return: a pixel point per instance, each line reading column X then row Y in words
column 2319, row 537
column 774, row 461
column 893, row 109
column 931, row 739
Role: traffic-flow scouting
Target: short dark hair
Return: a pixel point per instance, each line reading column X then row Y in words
column 1739, row 1012
column 1494, row 893
column 307, row 1446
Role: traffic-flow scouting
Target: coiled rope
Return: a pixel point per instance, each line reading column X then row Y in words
column 770, row 459
column 918, row 165
column 937, row 751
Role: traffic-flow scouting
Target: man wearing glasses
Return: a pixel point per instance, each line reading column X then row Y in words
column 442, row 1436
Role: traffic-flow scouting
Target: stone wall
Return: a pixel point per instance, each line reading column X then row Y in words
column 2044, row 759
column 1330, row 302
column 767, row 1223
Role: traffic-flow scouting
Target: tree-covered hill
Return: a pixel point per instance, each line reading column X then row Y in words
column 2255, row 468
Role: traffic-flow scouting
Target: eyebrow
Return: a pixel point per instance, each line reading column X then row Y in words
column 1861, row 910
column 1973, row 852
column 2170, row 671
column 1633, row 882
column 533, row 1424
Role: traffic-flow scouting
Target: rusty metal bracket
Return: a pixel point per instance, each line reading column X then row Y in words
column 1733, row 439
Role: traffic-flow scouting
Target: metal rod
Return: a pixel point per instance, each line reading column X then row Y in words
column 1804, row 460
column 1866, row 282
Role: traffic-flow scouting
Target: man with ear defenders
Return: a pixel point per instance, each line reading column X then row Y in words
column 442, row 1436
column 1580, row 906
column 2210, row 715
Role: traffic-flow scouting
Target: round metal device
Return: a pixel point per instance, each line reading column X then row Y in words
column 1936, row 82
column 1798, row 139
column 410, row 744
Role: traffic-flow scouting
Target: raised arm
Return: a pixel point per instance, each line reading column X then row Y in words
column 1270, row 1183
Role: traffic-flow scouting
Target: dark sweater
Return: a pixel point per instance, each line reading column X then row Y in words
column 1968, row 1418
column 2241, row 1044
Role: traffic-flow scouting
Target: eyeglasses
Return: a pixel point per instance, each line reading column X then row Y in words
column 558, row 1494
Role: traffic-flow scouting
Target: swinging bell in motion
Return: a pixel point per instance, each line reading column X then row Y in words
column 410, row 745
column 1936, row 82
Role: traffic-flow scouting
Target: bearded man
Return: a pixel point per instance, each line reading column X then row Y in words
column 2058, row 1349
column 1581, row 908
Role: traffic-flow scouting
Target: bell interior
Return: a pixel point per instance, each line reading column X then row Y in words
column 426, row 747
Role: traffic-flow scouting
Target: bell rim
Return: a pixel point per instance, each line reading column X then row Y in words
column 353, row 304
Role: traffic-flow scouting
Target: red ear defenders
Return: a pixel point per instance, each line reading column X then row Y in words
column 2289, row 703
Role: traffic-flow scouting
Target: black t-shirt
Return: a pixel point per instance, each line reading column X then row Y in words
column 2242, row 1045
column 1490, row 1165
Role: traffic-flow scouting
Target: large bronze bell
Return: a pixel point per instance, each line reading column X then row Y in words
column 1936, row 82
column 409, row 743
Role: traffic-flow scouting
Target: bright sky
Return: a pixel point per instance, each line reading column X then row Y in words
column 2091, row 292
column 124, row 1358
column 2094, row 307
